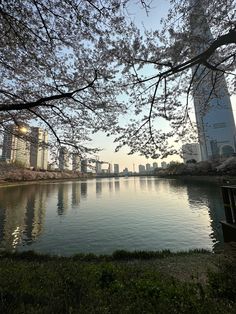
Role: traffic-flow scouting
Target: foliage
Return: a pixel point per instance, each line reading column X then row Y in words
column 75, row 66
column 225, row 166
column 182, row 55
column 42, row 284
column 222, row 284
column 119, row 255
column 191, row 161
column 53, row 70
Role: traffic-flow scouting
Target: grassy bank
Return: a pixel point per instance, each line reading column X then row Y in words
column 138, row 282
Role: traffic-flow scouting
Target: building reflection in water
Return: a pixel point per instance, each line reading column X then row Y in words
column 175, row 185
column 117, row 185
column 201, row 196
column 149, row 183
column 75, row 194
column 126, row 182
column 197, row 194
column 62, row 203
column 110, row 186
column 83, row 188
column 23, row 207
column 143, row 182
column 98, row 187
column 35, row 214
column 204, row 194
column 22, row 216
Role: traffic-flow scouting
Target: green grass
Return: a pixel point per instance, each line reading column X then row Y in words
column 116, row 256
column 31, row 283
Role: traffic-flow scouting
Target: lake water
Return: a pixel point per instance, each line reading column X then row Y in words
column 104, row 215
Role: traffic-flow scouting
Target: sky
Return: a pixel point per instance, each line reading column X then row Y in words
column 159, row 9
column 139, row 16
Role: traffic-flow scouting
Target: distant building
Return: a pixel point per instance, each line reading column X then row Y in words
column 84, row 166
column 116, row 168
column 109, row 168
column 15, row 148
column 98, row 168
column 163, row 165
column 155, row 165
column 126, row 171
column 63, row 159
column 191, row 152
column 76, row 164
column 148, row 167
column 39, row 149
column 141, row 169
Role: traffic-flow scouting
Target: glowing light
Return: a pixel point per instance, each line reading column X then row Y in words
column 23, row 129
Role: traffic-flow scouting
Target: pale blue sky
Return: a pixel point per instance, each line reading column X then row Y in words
column 137, row 14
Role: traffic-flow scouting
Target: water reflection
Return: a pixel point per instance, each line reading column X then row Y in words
column 75, row 194
column 126, row 182
column 149, row 184
column 98, row 187
column 84, row 190
column 110, row 186
column 23, row 211
column 35, row 215
column 62, row 204
column 210, row 196
column 117, row 185
column 142, row 182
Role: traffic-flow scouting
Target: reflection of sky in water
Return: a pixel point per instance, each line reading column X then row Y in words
column 103, row 215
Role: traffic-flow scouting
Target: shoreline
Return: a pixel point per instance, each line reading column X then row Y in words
column 219, row 180
column 27, row 182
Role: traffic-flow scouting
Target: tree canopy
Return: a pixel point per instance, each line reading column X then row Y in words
column 76, row 66
column 52, row 67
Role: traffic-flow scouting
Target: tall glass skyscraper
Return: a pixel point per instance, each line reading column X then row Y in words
column 213, row 110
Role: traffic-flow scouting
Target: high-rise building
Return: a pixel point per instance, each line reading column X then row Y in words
column 214, row 116
column 98, row 167
column 109, row 168
column 155, row 165
column 15, row 147
column 76, row 164
column 191, row 152
column 38, row 148
column 31, row 151
column 84, row 166
column 116, row 168
column 163, row 165
column 141, row 169
column 148, row 167
column 63, row 159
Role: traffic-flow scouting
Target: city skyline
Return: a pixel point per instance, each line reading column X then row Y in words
column 32, row 154
column 107, row 144
column 138, row 15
